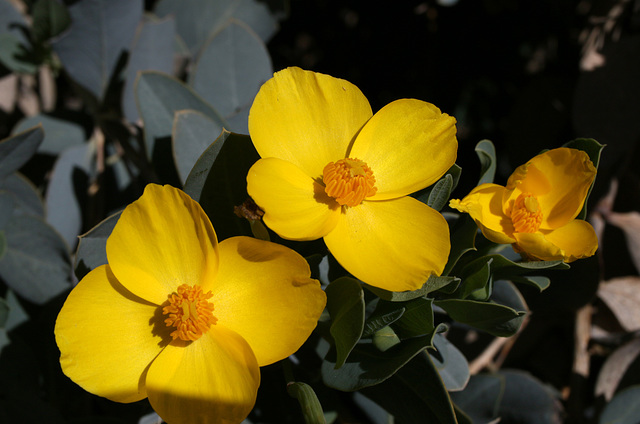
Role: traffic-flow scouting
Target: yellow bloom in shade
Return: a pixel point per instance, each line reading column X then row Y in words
column 536, row 211
column 331, row 169
column 181, row 319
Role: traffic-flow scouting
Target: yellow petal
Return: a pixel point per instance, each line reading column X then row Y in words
column 162, row 240
column 560, row 179
column 484, row 204
column 211, row 380
column 393, row 244
column 306, row 118
column 296, row 207
column 264, row 293
column 409, row 144
column 575, row 240
column 107, row 337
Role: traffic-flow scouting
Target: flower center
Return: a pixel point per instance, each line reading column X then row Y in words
column 349, row 181
column 189, row 312
column 526, row 214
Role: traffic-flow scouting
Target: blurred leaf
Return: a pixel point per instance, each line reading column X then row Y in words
column 487, row 154
column 499, row 319
column 433, row 283
column 12, row 21
column 526, row 400
column 615, row 367
column 197, row 20
column 159, row 97
column 3, row 244
column 17, row 314
column 37, row 264
column 16, row 150
column 25, row 195
column 50, row 18
column 450, row 363
column 67, row 190
column 463, row 236
column 345, row 302
column 230, row 70
column 4, row 312
column 624, row 408
column 439, row 196
column 218, row 181
column 101, row 31
column 193, row 133
column 15, row 55
column 7, row 207
column 622, row 295
column 481, row 398
column 92, row 246
column 309, row 403
column 148, row 53
column 367, row 365
column 593, row 149
column 59, row 134
column 415, row 394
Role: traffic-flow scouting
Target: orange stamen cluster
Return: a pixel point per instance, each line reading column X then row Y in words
column 189, row 312
column 349, row 181
column 526, row 214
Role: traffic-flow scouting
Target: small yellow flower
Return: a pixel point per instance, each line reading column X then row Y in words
column 180, row 319
column 331, row 169
column 536, row 211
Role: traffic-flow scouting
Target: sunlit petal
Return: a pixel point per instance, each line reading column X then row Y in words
column 307, row 118
column 484, row 205
column 107, row 337
column 577, row 240
column 162, row 240
column 264, row 293
column 296, row 207
column 394, row 244
column 409, row 144
column 212, row 380
column 560, row 179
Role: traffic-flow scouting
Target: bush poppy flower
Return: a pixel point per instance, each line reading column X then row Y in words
column 536, row 210
column 181, row 319
column 331, row 169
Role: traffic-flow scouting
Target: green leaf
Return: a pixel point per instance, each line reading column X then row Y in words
column 481, row 398
column 159, row 97
column 67, row 190
column 385, row 314
column 311, row 408
column 16, row 56
column 100, row 32
column 24, row 194
column 624, row 408
column 36, row 264
column 7, row 208
column 476, row 280
column 502, row 316
column 50, row 18
column 4, row 312
column 463, row 237
column 433, row 283
column 218, row 181
column 59, row 134
column 593, row 149
column 539, row 282
column 526, row 400
column 450, row 363
column 385, row 338
column 92, row 246
column 197, row 20
column 193, row 133
column 345, row 302
column 12, row 21
column 487, row 154
column 415, row 394
column 439, row 196
column 230, row 70
column 148, row 53
column 16, row 150
column 367, row 365
column 453, row 173
column 504, row 268
column 417, row 319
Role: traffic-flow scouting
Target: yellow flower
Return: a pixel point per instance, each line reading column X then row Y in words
column 331, row 169
column 180, row 319
column 536, row 211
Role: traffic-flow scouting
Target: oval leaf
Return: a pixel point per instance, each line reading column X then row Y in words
column 345, row 302
column 16, row 150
